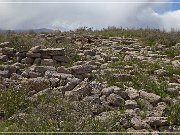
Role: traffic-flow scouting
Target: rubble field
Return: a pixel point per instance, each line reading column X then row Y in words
column 88, row 82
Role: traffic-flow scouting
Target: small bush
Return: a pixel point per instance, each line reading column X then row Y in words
column 173, row 114
column 170, row 52
column 12, row 101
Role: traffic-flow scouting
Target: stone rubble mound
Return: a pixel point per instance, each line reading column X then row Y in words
column 41, row 69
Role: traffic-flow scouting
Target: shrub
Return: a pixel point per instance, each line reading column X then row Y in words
column 12, row 101
column 173, row 114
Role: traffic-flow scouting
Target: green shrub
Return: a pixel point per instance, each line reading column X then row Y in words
column 173, row 114
column 170, row 52
column 144, row 81
column 12, row 101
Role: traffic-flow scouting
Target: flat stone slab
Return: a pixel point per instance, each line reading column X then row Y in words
column 53, row 52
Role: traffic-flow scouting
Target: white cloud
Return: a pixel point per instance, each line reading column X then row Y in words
column 70, row 16
column 171, row 20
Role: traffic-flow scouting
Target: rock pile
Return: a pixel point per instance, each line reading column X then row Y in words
column 45, row 57
column 6, row 52
column 40, row 70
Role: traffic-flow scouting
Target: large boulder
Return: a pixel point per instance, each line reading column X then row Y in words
column 35, row 49
column 138, row 124
column 72, row 83
column 115, row 100
column 107, row 91
column 151, row 97
column 80, row 91
column 81, row 69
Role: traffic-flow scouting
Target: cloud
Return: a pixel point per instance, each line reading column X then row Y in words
column 171, row 20
column 71, row 16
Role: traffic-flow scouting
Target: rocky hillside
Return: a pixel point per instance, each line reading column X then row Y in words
column 74, row 82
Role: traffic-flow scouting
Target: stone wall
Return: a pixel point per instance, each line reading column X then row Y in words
column 35, row 56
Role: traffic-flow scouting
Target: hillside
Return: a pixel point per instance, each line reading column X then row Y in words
column 110, row 80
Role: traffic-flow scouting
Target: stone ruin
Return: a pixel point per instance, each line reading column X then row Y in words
column 35, row 56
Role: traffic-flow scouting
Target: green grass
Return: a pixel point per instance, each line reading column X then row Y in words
column 143, row 107
column 170, row 52
column 149, row 36
column 51, row 112
column 7, row 126
column 173, row 114
column 54, row 113
column 145, row 82
column 171, row 70
column 1, row 62
column 143, row 77
column 74, row 58
column 12, row 101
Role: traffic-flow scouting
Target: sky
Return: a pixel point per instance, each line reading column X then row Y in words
column 68, row 16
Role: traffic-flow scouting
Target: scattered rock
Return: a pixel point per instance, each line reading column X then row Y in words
column 36, row 84
column 61, row 59
column 35, row 49
column 107, row 91
column 63, row 70
column 94, row 99
column 4, row 74
column 41, row 70
column 27, row 60
column 138, row 124
column 157, row 121
column 4, row 58
column 47, row 62
column 5, row 44
column 115, row 100
column 80, row 91
column 71, row 84
column 152, row 98
column 8, row 51
column 130, row 104
column 33, row 55
column 53, row 52
column 132, row 93
column 90, row 52
column 161, row 72
column 37, row 61
column 81, row 69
